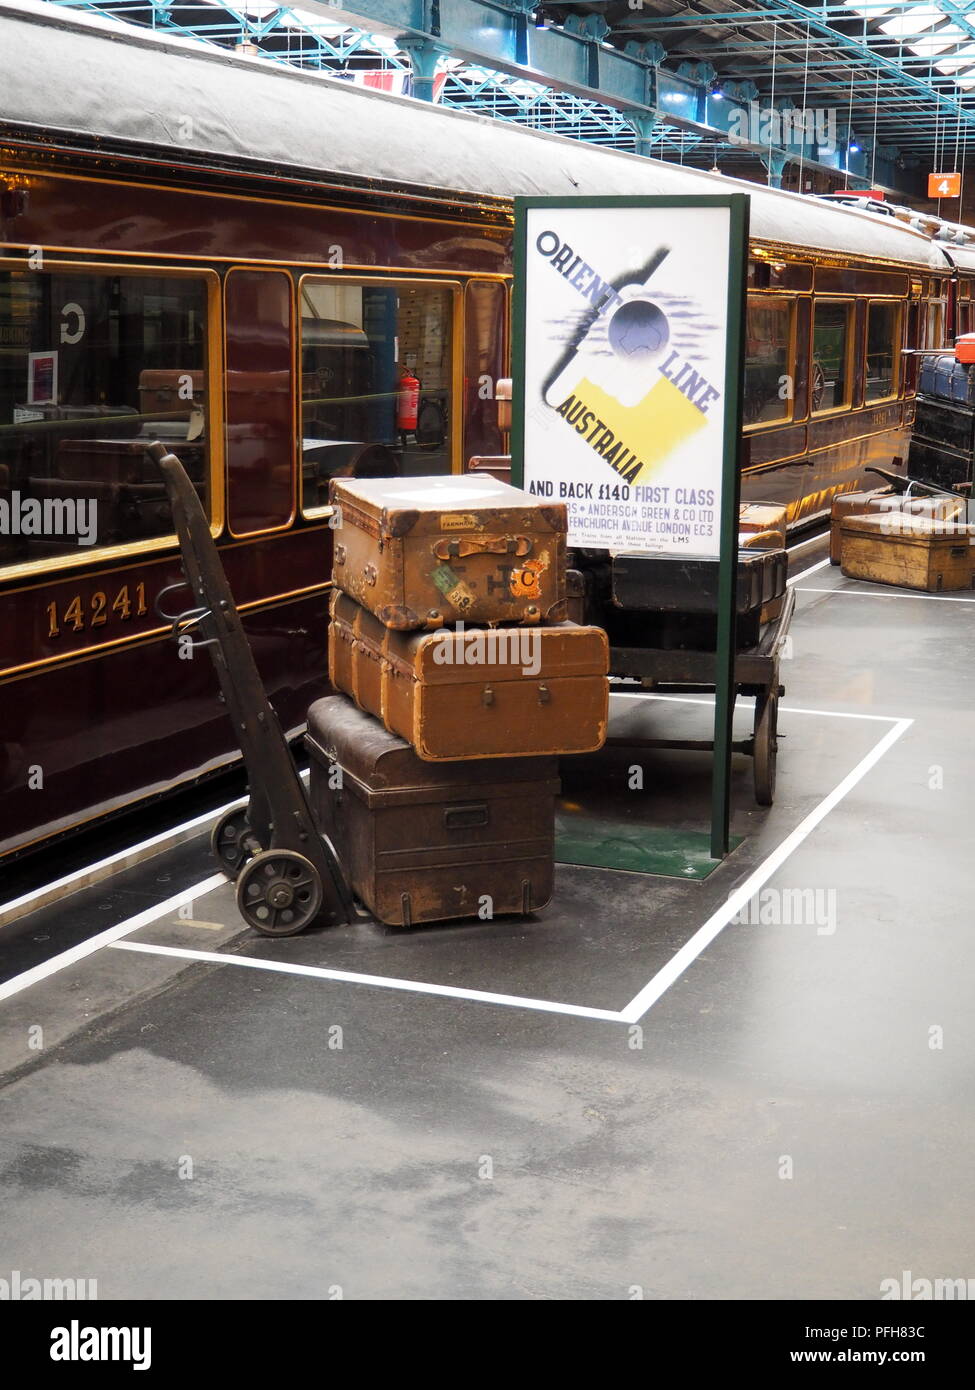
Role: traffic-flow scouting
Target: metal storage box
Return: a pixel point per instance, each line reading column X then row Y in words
column 430, row 842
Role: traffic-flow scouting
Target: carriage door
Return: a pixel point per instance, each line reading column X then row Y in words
column 485, row 343
column 260, row 401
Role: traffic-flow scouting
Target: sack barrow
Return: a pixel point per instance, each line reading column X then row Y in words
column 287, row 873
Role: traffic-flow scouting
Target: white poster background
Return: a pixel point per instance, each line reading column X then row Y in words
column 605, row 338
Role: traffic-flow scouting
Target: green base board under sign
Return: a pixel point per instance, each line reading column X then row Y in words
column 636, row 849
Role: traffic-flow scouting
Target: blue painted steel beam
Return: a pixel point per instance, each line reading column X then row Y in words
column 497, row 34
column 574, row 61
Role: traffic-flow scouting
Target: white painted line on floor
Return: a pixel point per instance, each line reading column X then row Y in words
column 91, row 874
column 811, row 570
column 820, row 538
column 379, row 981
column 783, row 708
column 635, row 1010
column 874, row 593
column 651, row 992
column 107, row 937
column 716, row 923
column 846, row 714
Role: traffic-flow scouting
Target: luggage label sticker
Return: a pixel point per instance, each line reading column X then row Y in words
column 525, row 582
column 459, row 521
column 460, row 595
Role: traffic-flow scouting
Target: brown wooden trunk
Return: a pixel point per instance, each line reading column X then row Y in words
column 914, row 552
column 882, row 500
column 429, row 843
column 427, row 552
column 475, row 693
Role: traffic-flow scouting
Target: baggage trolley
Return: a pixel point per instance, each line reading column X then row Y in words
column 692, row 671
column 287, row 873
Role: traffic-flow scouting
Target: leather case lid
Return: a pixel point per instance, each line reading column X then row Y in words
column 761, row 516
column 503, row 654
column 448, row 506
column 908, row 527
column 339, row 732
column 882, row 496
column 451, row 657
column 867, row 503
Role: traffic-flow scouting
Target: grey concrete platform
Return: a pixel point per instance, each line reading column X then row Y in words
column 628, row 1092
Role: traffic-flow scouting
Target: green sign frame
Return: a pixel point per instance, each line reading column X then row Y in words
column 737, row 252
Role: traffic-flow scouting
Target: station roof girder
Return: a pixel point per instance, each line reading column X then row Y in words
column 699, row 78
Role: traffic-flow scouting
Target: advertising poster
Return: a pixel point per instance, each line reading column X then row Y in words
column 42, row 378
column 627, row 334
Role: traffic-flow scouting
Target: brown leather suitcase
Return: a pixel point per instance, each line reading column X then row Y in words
column 162, row 393
column 913, row 552
column 575, row 596
column 689, row 584
column 761, row 526
column 426, row 552
column 423, row 842
column 497, row 465
column 884, row 499
column 475, row 692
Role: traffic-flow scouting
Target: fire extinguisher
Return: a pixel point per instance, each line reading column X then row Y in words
column 407, row 402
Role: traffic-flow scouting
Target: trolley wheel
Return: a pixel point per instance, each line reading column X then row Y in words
column 232, row 841
column 766, row 744
column 279, row 892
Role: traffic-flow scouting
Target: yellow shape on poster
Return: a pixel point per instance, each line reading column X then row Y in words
column 652, row 428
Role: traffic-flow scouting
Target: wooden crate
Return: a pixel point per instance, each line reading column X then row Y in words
column 883, row 500
column 912, row 552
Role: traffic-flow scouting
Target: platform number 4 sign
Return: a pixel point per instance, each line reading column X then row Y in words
column 944, row 185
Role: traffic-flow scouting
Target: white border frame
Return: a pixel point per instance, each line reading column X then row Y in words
column 631, row 1013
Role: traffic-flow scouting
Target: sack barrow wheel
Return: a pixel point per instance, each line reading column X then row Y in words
column 765, row 744
column 232, row 841
column 279, row 892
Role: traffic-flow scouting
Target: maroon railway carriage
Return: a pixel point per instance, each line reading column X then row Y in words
column 249, row 263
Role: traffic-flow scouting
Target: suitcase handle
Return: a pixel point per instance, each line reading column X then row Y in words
column 470, row 817
column 455, row 548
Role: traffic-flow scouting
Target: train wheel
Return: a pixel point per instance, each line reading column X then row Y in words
column 232, row 842
column 279, row 892
column 766, row 745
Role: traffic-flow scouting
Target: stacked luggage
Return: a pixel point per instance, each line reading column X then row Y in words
column 434, row 771
column 914, row 542
column 942, row 446
column 849, row 505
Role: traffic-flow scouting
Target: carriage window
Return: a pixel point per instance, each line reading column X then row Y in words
column 485, row 336
column 883, row 350
column 934, row 331
column 92, row 369
column 767, row 360
column 832, row 332
column 376, row 381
